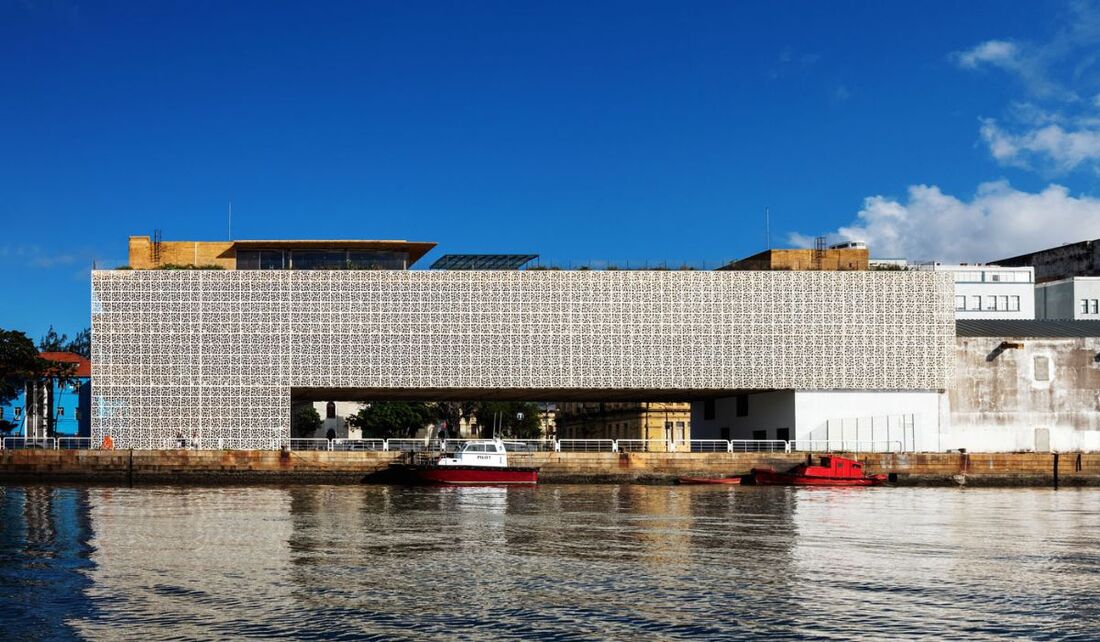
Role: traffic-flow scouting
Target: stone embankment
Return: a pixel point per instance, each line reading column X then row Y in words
column 221, row 466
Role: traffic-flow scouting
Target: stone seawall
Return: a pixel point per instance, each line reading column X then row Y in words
column 220, row 466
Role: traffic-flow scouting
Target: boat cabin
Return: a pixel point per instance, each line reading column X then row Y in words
column 487, row 452
column 832, row 466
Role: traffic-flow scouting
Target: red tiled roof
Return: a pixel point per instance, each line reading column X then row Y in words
column 83, row 366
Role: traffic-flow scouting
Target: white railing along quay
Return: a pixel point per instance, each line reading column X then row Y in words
column 22, row 443
column 528, row 445
column 74, row 443
column 401, row 444
column 359, row 444
column 847, row 445
column 586, row 446
column 759, row 446
column 644, row 445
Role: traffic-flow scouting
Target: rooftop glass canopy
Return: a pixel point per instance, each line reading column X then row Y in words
column 483, row 261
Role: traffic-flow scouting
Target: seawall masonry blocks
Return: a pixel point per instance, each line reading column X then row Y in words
column 221, row 466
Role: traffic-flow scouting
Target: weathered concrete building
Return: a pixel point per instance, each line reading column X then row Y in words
column 1025, row 386
column 1063, row 262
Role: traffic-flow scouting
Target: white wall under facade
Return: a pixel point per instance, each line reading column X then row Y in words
column 909, row 419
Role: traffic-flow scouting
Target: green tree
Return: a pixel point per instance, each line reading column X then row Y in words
column 304, row 420
column 81, row 344
column 53, row 342
column 454, row 412
column 517, row 419
column 386, row 419
column 20, row 365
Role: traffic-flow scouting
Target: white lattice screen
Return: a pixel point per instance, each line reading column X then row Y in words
column 215, row 353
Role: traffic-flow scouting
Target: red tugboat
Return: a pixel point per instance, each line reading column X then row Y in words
column 478, row 462
column 832, row 471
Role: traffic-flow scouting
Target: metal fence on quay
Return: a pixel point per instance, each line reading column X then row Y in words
column 396, row 444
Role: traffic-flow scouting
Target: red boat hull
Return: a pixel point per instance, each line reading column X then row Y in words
column 771, row 478
column 709, row 480
column 473, row 475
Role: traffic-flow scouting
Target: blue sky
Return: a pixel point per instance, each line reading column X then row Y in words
column 620, row 131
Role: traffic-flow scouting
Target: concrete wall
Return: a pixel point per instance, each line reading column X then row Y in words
column 198, row 253
column 1001, row 398
column 220, row 466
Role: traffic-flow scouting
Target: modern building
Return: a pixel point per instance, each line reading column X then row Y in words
column 1073, row 298
column 58, row 406
column 841, row 257
column 667, row 421
column 1063, row 262
column 235, row 346
column 989, row 291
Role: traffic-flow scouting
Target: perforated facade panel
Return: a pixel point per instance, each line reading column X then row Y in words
column 214, row 355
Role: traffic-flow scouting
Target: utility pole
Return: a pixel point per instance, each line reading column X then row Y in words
column 768, row 227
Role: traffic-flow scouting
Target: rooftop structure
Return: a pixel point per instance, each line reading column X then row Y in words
column 483, row 261
column 152, row 254
column 826, row 259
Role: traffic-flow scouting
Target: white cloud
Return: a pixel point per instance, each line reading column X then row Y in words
column 1062, row 133
column 999, row 53
column 1049, row 145
column 998, row 222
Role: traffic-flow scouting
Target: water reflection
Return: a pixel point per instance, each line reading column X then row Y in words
column 555, row 562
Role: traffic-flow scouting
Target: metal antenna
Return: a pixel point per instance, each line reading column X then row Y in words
column 768, row 227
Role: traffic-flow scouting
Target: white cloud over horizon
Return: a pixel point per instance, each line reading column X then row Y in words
column 999, row 221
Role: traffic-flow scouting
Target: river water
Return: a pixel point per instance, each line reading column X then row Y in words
column 552, row 562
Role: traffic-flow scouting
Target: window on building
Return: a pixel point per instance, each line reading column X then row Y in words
column 1042, row 368
column 1094, row 306
column 989, row 302
column 330, row 410
column 1013, row 304
column 960, row 303
column 1084, row 306
column 742, row 405
column 1002, row 302
column 708, row 409
column 760, row 434
column 975, row 302
column 783, row 433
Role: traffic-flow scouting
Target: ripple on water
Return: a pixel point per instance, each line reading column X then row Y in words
column 550, row 563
